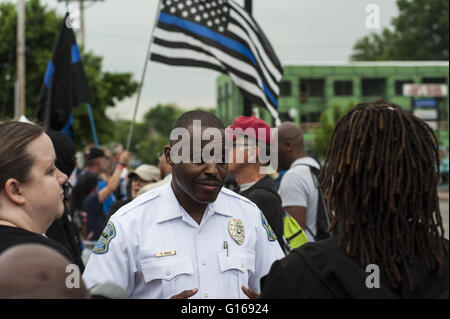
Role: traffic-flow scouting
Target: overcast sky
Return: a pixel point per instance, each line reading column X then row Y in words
column 299, row 30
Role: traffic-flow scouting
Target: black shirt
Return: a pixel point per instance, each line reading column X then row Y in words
column 323, row 270
column 64, row 231
column 264, row 194
column 11, row 236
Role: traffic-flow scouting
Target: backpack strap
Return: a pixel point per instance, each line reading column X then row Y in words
column 267, row 189
column 294, row 235
column 314, row 170
column 285, row 241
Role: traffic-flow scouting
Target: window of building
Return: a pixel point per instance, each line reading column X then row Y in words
column 399, row 86
column 285, row 88
column 312, row 117
column 373, row 87
column 284, row 117
column 220, row 93
column 229, row 89
column 434, row 80
column 312, row 87
column 343, row 88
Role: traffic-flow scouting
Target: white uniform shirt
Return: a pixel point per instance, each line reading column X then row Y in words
column 155, row 222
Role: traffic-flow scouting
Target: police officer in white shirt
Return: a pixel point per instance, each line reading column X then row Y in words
column 190, row 237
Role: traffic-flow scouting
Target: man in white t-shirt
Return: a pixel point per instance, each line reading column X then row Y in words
column 297, row 190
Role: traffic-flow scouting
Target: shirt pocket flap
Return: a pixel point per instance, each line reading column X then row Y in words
column 165, row 267
column 243, row 260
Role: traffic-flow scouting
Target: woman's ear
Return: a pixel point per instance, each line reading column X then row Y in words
column 13, row 191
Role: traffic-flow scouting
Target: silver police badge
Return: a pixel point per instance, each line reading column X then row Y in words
column 236, row 229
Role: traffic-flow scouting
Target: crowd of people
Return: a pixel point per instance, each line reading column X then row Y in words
column 216, row 226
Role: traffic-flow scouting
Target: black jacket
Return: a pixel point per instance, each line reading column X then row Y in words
column 323, row 270
column 264, row 195
column 64, row 231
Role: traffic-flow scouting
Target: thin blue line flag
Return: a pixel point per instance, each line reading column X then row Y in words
column 219, row 35
column 65, row 83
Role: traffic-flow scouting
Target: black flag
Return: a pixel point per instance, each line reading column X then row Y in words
column 65, row 83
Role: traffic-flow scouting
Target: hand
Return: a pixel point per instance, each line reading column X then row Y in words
column 124, row 158
column 185, row 294
column 250, row 293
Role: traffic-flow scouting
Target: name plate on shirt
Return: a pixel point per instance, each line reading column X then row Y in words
column 166, row 253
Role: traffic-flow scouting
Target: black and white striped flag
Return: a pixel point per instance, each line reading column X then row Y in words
column 219, row 35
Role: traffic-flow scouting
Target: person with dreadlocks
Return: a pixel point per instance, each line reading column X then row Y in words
column 380, row 180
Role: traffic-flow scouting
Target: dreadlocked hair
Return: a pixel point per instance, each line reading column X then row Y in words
column 380, row 179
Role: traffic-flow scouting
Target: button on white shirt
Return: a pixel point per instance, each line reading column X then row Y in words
column 155, row 223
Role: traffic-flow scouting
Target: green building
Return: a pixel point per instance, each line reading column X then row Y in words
column 306, row 90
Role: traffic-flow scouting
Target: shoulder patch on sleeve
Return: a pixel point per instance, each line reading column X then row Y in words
column 102, row 245
column 270, row 234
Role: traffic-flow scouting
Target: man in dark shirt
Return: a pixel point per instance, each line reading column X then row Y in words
column 246, row 167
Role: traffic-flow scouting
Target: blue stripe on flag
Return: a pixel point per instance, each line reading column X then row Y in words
column 206, row 32
column 269, row 94
column 76, row 56
column 66, row 129
column 225, row 41
column 49, row 74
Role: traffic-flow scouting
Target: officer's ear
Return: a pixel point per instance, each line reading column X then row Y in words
column 167, row 150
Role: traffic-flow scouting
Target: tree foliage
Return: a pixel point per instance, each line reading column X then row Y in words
column 162, row 117
column 107, row 89
column 420, row 32
column 328, row 120
column 152, row 134
column 42, row 27
column 149, row 148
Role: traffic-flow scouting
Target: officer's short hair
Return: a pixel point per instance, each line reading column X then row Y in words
column 208, row 120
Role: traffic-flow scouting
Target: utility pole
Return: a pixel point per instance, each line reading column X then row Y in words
column 82, row 34
column 247, row 102
column 20, row 106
